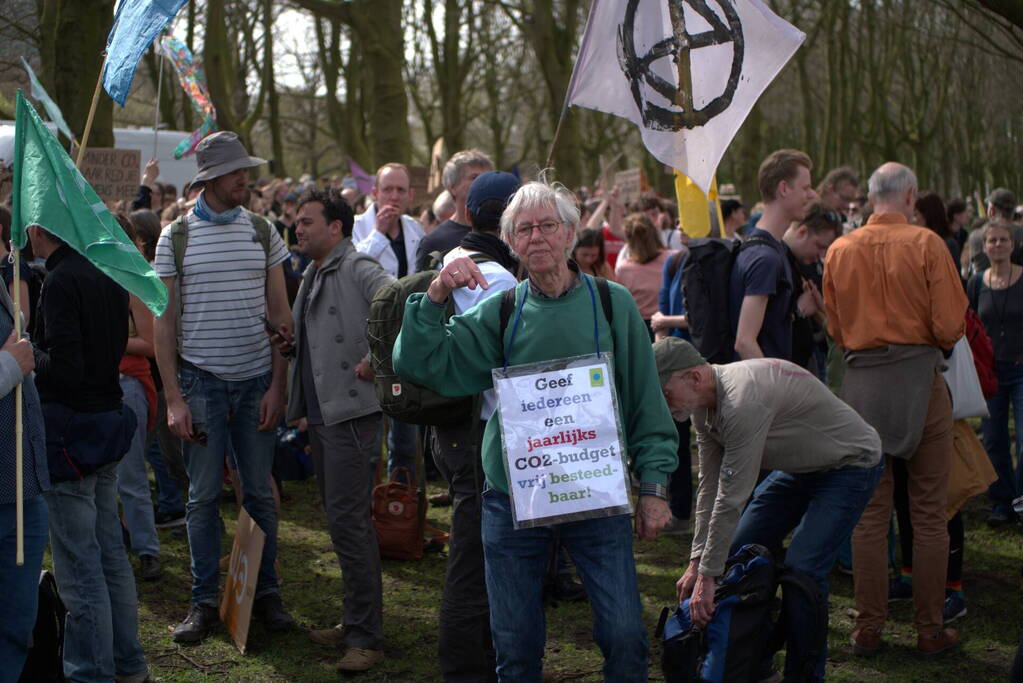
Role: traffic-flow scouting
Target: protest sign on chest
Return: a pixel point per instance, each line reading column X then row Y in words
column 562, row 441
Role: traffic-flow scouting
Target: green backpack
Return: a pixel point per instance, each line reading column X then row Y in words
column 399, row 398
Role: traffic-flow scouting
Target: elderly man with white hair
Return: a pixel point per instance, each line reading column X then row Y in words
column 556, row 315
column 895, row 305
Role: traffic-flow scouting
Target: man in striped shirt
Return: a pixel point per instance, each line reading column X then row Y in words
column 223, row 382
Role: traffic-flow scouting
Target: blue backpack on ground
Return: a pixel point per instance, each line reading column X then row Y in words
column 739, row 642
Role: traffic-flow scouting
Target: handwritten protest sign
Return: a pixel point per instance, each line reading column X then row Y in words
column 562, row 440
column 419, row 181
column 113, row 173
column 240, row 589
column 631, row 184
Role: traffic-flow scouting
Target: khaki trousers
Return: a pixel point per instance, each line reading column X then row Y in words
column 928, row 490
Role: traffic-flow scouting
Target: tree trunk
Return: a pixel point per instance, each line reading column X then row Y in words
column 273, row 100
column 73, row 35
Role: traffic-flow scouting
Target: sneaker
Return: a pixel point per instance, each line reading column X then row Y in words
column 149, row 567
column 197, row 625
column 999, row 517
column 270, row 610
column 360, row 659
column 440, row 500
column 942, row 641
column 955, row 607
column 165, row 520
column 866, row 641
column 899, row 590
column 567, row 589
column 331, row 637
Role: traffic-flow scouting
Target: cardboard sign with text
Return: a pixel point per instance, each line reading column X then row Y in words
column 240, row 589
column 631, row 184
column 419, row 177
column 113, row 173
column 562, row 441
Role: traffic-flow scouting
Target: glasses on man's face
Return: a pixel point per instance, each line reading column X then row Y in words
column 526, row 229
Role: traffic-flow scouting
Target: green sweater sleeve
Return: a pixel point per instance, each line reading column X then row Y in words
column 453, row 358
column 652, row 439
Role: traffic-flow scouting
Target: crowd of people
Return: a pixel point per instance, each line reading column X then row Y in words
column 810, row 370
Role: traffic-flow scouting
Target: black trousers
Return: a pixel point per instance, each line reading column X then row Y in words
column 465, row 649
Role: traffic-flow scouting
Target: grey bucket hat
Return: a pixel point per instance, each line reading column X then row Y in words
column 220, row 154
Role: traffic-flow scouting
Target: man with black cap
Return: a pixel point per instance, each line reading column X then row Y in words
column 465, row 648
column 767, row 414
column 223, row 381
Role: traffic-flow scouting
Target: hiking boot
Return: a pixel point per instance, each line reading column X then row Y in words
column 955, row 607
column 270, row 610
column 149, row 567
column 676, row 527
column 866, row 641
column 165, row 520
column 331, row 637
column 567, row 589
column 942, row 641
column 197, row 625
column 359, row 659
column 899, row 590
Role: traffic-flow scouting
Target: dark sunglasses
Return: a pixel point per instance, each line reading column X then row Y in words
column 830, row 216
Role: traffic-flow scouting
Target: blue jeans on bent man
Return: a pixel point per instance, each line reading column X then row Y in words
column 995, row 430
column 229, row 413
column 19, row 600
column 401, row 447
column 822, row 507
column 95, row 579
column 132, row 479
column 515, row 564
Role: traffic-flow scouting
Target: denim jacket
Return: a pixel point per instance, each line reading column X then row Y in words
column 334, row 301
column 35, row 472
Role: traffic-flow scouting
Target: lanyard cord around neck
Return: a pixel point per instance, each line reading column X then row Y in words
column 518, row 318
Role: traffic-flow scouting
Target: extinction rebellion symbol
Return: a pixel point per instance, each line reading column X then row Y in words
column 678, row 47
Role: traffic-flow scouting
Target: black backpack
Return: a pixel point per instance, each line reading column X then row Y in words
column 706, row 279
column 45, row 661
column 733, row 646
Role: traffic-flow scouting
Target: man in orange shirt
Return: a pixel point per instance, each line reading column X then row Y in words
column 895, row 305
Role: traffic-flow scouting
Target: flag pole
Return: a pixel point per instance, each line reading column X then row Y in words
column 557, row 134
column 19, row 446
column 159, row 94
column 92, row 113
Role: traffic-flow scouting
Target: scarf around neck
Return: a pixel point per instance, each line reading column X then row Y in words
column 203, row 211
column 494, row 247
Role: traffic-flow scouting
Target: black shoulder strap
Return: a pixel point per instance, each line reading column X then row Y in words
column 507, row 306
column 605, row 300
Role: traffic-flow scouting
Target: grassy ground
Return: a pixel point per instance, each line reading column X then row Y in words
column 312, row 592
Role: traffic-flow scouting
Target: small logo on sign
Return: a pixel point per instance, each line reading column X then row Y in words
column 396, row 389
column 596, row 377
column 396, row 508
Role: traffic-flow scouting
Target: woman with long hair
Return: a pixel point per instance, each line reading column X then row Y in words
column 641, row 270
column 589, row 254
column 931, row 214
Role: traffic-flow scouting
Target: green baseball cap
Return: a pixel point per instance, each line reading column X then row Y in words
column 673, row 354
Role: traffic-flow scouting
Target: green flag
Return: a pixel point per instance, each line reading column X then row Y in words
column 51, row 193
column 52, row 110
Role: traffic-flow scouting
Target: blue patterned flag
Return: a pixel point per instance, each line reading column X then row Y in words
column 136, row 26
column 52, row 110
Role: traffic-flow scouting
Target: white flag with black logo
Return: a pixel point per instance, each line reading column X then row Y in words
column 687, row 72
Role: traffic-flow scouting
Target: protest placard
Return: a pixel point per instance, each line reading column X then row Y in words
column 631, row 184
column 113, row 173
column 419, row 180
column 240, row 588
column 562, row 440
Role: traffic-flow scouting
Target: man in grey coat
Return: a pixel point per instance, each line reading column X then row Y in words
column 341, row 409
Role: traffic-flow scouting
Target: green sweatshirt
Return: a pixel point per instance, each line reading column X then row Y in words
column 455, row 359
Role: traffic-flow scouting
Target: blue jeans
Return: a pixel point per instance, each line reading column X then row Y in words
column 229, row 414
column 132, row 480
column 515, row 564
column 995, row 430
column 20, row 585
column 401, row 447
column 95, row 579
column 822, row 507
column 168, row 491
